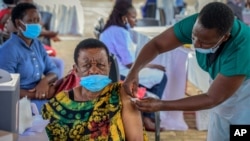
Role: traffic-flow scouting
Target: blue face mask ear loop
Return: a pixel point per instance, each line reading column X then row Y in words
column 20, row 28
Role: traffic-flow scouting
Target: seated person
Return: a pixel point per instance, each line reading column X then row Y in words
column 247, row 4
column 45, row 33
column 116, row 36
column 237, row 7
column 5, row 13
column 97, row 109
column 23, row 53
column 9, row 28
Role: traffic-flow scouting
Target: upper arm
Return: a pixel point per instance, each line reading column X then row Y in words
column 8, row 59
column 5, row 18
column 166, row 41
column 131, row 118
column 176, row 35
column 223, row 87
column 50, row 66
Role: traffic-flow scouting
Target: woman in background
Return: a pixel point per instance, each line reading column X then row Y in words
column 9, row 28
column 23, row 53
column 116, row 36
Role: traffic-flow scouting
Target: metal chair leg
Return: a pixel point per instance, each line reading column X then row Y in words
column 157, row 118
column 157, row 126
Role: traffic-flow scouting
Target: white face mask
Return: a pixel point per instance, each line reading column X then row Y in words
column 209, row 50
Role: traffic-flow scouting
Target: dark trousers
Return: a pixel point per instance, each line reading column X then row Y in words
column 156, row 89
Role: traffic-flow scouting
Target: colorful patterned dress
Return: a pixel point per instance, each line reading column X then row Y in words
column 96, row 120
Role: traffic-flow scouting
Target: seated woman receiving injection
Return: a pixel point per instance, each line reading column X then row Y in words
column 97, row 109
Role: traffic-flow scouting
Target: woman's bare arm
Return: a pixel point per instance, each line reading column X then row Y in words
column 132, row 120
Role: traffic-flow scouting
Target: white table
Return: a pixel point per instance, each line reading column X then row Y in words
column 180, row 65
column 67, row 15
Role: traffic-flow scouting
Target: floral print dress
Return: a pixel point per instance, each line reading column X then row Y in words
column 96, row 120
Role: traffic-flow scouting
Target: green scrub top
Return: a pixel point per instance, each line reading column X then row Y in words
column 234, row 58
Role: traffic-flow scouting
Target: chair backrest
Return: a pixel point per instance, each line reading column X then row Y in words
column 99, row 27
column 162, row 15
column 147, row 22
column 150, row 10
column 114, row 74
column 46, row 20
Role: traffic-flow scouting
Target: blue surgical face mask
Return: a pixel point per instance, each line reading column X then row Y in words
column 209, row 50
column 206, row 51
column 95, row 83
column 32, row 31
column 128, row 26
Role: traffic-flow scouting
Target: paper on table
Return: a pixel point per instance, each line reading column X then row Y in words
column 38, row 126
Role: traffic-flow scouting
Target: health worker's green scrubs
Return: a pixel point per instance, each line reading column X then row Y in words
column 234, row 59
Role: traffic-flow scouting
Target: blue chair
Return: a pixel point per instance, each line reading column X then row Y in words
column 157, row 117
column 46, row 20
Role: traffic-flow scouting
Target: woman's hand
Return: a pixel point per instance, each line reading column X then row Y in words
column 42, row 89
column 52, row 91
column 49, row 34
column 29, row 93
column 148, row 104
column 56, row 39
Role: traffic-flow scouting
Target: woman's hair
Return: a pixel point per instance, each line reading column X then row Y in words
column 217, row 15
column 20, row 11
column 8, row 1
column 120, row 9
column 23, row 1
column 89, row 44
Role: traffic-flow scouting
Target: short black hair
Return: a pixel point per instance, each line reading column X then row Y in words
column 89, row 44
column 217, row 15
column 16, row 1
column 8, row 1
column 20, row 11
column 121, row 8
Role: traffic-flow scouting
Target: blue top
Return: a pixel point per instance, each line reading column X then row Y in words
column 30, row 62
column 179, row 2
column 119, row 43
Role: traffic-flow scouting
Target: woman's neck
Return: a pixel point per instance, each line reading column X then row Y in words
column 81, row 94
column 27, row 41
